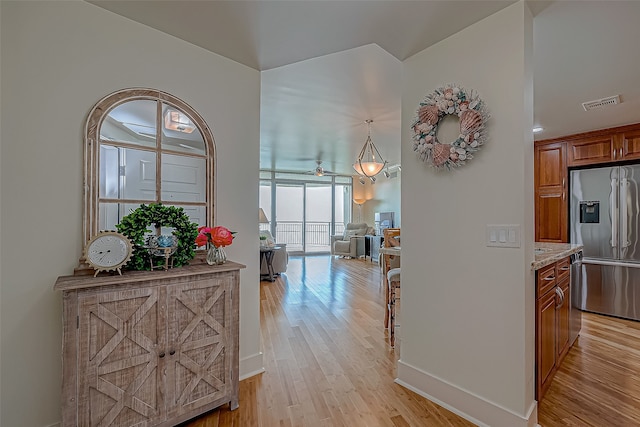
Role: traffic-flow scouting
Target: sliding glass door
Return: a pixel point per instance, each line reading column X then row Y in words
column 307, row 211
column 290, row 215
column 317, row 230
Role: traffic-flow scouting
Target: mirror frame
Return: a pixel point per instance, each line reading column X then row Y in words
column 93, row 124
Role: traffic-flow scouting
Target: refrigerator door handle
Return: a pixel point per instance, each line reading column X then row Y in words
column 624, row 193
column 614, row 213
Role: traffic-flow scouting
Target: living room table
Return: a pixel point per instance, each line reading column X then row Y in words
column 266, row 254
column 372, row 246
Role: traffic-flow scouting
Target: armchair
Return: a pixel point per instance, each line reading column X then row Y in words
column 280, row 257
column 351, row 243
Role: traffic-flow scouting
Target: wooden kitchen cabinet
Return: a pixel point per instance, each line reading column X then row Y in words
column 550, row 187
column 629, row 144
column 149, row 348
column 553, row 158
column 546, row 320
column 591, row 150
column 604, row 146
column 553, row 301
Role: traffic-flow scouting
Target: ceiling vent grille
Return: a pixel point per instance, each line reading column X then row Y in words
column 599, row 103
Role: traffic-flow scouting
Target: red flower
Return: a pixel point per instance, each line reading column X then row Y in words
column 218, row 236
column 221, row 236
column 201, row 240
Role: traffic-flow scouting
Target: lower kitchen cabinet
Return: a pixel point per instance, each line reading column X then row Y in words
column 546, row 320
column 553, row 301
column 149, row 348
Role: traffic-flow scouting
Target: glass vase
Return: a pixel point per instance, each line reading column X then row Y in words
column 216, row 256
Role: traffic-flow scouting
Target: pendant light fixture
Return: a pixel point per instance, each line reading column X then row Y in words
column 369, row 162
column 178, row 121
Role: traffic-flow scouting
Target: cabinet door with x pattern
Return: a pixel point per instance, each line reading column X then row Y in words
column 121, row 339
column 200, row 369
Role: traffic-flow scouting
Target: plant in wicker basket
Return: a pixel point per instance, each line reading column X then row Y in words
column 135, row 227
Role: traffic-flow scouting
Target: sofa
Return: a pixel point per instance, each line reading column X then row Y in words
column 280, row 256
column 350, row 244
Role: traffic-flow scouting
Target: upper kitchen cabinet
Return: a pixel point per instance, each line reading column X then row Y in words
column 588, row 151
column 550, row 192
column 629, row 144
column 604, row 146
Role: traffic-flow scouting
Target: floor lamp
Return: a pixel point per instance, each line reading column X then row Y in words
column 262, row 219
column 359, row 202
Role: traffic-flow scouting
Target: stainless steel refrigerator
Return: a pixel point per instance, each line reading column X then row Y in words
column 604, row 217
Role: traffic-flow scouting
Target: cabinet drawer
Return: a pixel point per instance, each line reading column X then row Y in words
column 563, row 267
column 546, row 280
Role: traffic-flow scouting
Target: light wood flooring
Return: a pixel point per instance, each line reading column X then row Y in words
column 328, row 362
column 598, row 384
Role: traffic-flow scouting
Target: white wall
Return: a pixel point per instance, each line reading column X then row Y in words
column 0, row 215
column 58, row 59
column 467, row 309
column 383, row 196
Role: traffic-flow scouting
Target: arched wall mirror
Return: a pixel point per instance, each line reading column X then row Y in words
column 146, row 146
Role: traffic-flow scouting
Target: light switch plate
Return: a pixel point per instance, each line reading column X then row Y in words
column 503, row 235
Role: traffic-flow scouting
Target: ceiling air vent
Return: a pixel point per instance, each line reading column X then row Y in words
column 599, row 103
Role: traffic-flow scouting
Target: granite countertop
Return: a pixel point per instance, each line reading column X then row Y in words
column 547, row 253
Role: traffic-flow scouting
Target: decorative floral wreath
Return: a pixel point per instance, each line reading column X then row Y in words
column 451, row 99
column 134, row 226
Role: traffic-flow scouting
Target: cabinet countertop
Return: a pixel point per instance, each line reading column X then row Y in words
column 547, row 253
column 66, row 283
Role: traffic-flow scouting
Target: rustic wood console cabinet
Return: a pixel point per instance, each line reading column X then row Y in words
column 149, row 348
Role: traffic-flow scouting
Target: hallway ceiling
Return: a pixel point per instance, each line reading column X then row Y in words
column 329, row 65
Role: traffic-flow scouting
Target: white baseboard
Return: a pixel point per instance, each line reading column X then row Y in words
column 251, row 365
column 462, row 402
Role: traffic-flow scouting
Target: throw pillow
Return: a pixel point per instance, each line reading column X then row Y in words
column 349, row 234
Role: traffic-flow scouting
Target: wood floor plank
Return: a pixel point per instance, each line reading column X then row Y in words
column 328, row 362
column 598, row 384
column 326, row 355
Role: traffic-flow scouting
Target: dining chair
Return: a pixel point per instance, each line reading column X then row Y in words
column 389, row 261
column 393, row 277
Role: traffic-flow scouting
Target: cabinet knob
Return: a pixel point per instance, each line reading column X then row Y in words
column 161, row 355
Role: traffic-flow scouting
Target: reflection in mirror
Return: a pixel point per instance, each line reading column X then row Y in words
column 109, row 175
column 133, row 122
column 127, row 173
column 112, row 213
column 183, row 179
column 179, row 133
column 152, row 148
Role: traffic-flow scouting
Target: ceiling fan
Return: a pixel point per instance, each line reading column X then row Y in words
column 319, row 170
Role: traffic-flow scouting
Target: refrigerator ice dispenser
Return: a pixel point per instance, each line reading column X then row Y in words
column 589, row 212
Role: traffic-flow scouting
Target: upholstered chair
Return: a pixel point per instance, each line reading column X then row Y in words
column 350, row 244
